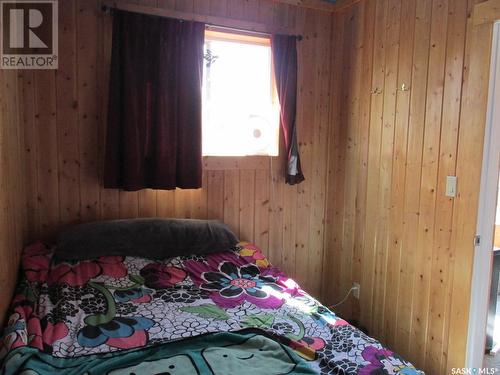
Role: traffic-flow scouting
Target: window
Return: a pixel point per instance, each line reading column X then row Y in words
column 240, row 105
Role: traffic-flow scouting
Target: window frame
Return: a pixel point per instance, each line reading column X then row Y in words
column 256, row 162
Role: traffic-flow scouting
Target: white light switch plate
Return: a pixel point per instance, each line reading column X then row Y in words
column 451, row 186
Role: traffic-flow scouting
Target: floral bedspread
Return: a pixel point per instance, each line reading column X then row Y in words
column 111, row 304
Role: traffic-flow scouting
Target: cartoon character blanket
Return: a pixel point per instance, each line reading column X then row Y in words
column 118, row 314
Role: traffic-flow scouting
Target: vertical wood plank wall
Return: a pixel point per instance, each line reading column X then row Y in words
column 64, row 123
column 12, row 196
column 390, row 226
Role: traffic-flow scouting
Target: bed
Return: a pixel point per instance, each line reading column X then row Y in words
column 219, row 313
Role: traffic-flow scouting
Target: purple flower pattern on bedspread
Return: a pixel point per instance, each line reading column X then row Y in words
column 71, row 309
column 230, row 280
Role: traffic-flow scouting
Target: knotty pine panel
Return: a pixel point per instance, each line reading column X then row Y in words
column 13, row 224
column 390, row 226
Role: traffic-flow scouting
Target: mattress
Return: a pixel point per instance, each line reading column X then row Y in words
column 221, row 313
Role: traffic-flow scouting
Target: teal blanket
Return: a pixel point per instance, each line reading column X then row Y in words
column 218, row 353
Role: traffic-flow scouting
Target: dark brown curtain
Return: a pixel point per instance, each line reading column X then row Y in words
column 284, row 51
column 154, row 118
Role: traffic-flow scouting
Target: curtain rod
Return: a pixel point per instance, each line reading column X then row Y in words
column 221, row 22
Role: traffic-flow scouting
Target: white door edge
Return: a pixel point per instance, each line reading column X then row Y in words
column 481, row 277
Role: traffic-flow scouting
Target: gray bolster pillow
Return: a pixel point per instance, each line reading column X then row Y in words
column 147, row 238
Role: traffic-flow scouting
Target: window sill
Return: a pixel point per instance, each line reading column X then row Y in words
column 217, row 163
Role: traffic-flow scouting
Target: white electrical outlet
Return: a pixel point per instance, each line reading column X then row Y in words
column 356, row 288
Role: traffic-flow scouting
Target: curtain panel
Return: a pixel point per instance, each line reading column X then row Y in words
column 154, row 111
column 284, row 51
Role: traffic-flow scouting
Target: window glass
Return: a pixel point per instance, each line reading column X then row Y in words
column 240, row 111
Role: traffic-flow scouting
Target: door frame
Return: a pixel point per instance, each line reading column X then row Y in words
column 481, row 280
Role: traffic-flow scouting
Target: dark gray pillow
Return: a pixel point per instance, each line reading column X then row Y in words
column 148, row 238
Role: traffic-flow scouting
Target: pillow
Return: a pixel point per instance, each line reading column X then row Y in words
column 147, row 238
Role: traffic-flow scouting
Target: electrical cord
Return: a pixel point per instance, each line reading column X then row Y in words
column 345, row 298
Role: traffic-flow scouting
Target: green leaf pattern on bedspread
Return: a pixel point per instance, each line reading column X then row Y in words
column 207, row 311
column 264, row 321
column 111, row 305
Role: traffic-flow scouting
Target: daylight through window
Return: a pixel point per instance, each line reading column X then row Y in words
column 240, row 106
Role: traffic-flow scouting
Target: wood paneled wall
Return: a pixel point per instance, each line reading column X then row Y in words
column 12, row 198
column 390, row 226
column 64, row 123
